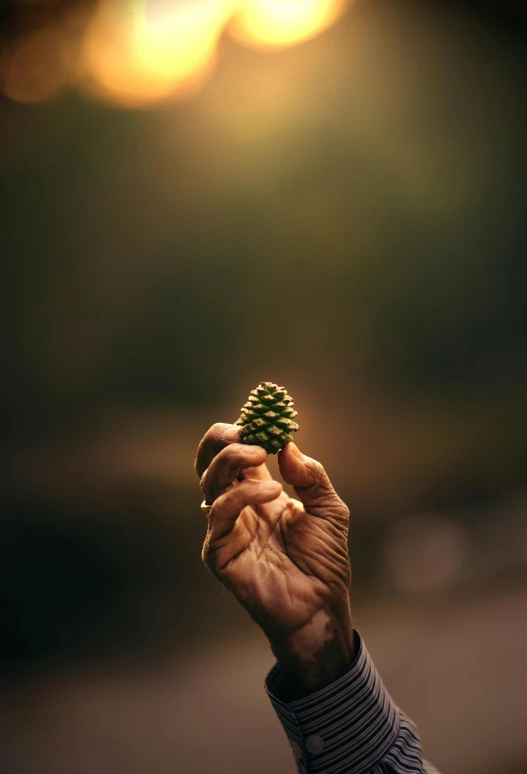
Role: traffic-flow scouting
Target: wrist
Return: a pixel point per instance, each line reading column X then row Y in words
column 318, row 653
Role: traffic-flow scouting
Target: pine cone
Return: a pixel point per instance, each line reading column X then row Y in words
column 267, row 418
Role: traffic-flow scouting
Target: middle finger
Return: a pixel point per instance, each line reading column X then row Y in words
column 224, row 468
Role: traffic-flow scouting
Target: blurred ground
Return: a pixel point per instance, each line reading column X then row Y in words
column 455, row 667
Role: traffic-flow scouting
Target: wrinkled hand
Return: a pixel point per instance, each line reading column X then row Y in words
column 285, row 560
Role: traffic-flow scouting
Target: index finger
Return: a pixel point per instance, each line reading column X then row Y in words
column 215, row 439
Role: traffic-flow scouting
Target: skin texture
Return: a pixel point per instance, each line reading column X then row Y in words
column 285, row 559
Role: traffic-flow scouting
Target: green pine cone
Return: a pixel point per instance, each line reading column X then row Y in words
column 267, row 418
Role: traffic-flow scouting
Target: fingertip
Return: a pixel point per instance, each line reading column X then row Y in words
column 247, row 450
column 290, row 457
column 293, row 449
column 232, row 434
column 258, row 451
column 293, row 466
column 253, row 457
column 271, row 489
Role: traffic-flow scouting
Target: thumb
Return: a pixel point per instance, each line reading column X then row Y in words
column 311, row 483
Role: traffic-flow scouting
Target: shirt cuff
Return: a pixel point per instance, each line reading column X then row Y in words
column 348, row 726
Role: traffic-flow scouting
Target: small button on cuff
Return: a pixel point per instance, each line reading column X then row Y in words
column 315, row 744
column 297, row 750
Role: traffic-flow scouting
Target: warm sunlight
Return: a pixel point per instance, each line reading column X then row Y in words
column 136, row 53
column 159, row 50
column 277, row 23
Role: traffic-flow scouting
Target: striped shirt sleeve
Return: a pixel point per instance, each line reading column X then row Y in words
column 351, row 726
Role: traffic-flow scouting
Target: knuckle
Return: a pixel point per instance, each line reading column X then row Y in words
column 344, row 508
column 205, row 555
column 208, row 556
column 235, row 497
column 230, row 456
column 210, row 559
column 213, row 434
column 318, row 469
column 339, row 513
column 216, row 429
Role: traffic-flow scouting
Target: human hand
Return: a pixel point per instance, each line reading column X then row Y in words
column 285, row 560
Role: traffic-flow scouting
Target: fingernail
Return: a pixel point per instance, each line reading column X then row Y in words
column 270, row 486
column 296, row 451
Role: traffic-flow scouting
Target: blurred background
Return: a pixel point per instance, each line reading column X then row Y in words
column 197, row 196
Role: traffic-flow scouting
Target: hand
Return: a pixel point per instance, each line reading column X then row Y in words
column 285, row 560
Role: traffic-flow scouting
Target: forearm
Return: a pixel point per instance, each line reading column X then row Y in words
column 317, row 654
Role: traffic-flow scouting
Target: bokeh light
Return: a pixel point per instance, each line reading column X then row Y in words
column 36, row 67
column 280, row 23
column 146, row 52
column 143, row 57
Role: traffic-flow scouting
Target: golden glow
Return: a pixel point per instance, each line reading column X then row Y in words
column 35, row 68
column 279, row 23
column 142, row 58
column 136, row 53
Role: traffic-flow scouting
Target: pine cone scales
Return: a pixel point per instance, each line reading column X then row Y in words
column 267, row 418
